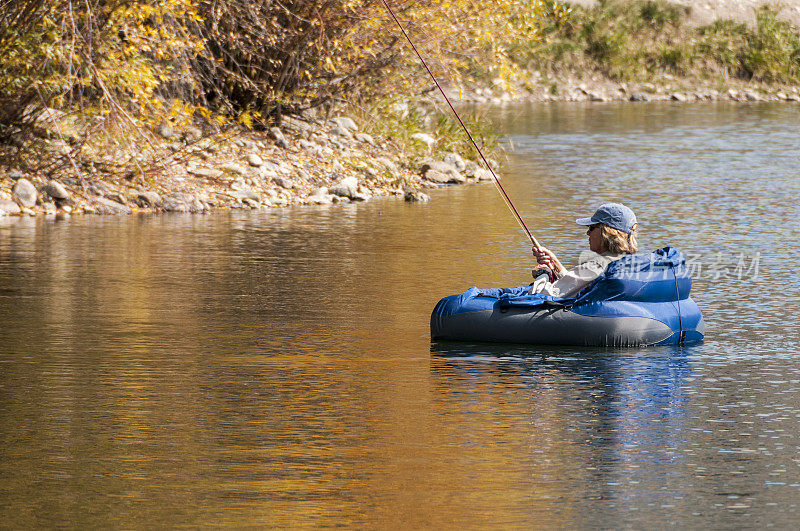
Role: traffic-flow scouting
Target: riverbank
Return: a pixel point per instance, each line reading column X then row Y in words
column 67, row 163
column 305, row 162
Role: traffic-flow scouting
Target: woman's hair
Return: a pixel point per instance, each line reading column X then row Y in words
column 617, row 242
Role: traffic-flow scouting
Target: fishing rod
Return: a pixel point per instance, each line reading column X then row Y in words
column 496, row 179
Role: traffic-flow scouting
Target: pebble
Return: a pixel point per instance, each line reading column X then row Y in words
column 277, row 135
column 752, row 96
column 9, row 207
column 365, row 138
column 254, row 160
column 283, row 182
column 56, row 190
column 413, row 196
column 148, row 199
column 441, row 172
column 678, row 96
column 24, row 193
column 347, row 187
column 207, row 173
column 347, row 123
column 101, row 205
column 340, row 131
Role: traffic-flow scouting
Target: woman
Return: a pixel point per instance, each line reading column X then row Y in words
column 612, row 235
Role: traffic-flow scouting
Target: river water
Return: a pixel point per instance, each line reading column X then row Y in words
column 275, row 368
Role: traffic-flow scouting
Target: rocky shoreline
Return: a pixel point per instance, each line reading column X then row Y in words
column 304, row 162
column 598, row 89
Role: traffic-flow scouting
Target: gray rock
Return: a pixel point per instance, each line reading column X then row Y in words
column 28, row 212
column 166, row 131
column 49, row 208
column 207, row 173
column 148, row 199
column 637, row 96
column 340, row 131
column 752, row 96
column 277, row 135
column 347, row 187
column 9, row 207
column 246, row 195
column 347, row 123
column 365, row 138
column 455, row 160
column 483, row 175
column 322, row 190
column 24, row 193
column 424, row 138
column 597, row 96
column 254, row 160
column 320, row 199
column 15, row 175
column 678, row 96
column 117, row 198
column 101, row 205
column 439, row 177
column 441, row 172
column 55, row 190
column 298, row 126
column 197, row 206
column 283, row 182
column 183, row 203
column 174, row 204
column 416, row 197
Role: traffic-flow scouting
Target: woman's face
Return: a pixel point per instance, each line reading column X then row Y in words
column 595, row 240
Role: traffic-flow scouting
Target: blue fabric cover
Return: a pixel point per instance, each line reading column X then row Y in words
column 638, row 285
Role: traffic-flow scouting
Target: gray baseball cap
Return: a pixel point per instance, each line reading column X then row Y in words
column 614, row 215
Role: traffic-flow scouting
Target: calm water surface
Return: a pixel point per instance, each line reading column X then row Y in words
column 275, row 368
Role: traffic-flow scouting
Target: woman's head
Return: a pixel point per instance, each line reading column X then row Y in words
column 616, row 241
column 612, row 228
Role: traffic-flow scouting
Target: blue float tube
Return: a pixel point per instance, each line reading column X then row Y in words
column 641, row 299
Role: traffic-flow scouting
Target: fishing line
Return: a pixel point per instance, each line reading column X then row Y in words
column 496, row 179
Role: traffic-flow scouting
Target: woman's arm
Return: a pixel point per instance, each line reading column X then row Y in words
column 546, row 257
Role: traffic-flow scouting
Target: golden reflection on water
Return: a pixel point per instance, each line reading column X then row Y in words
column 275, row 368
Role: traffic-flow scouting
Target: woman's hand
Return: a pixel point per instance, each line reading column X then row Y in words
column 546, row 257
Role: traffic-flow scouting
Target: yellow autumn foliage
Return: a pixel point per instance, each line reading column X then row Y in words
column 146, row 60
